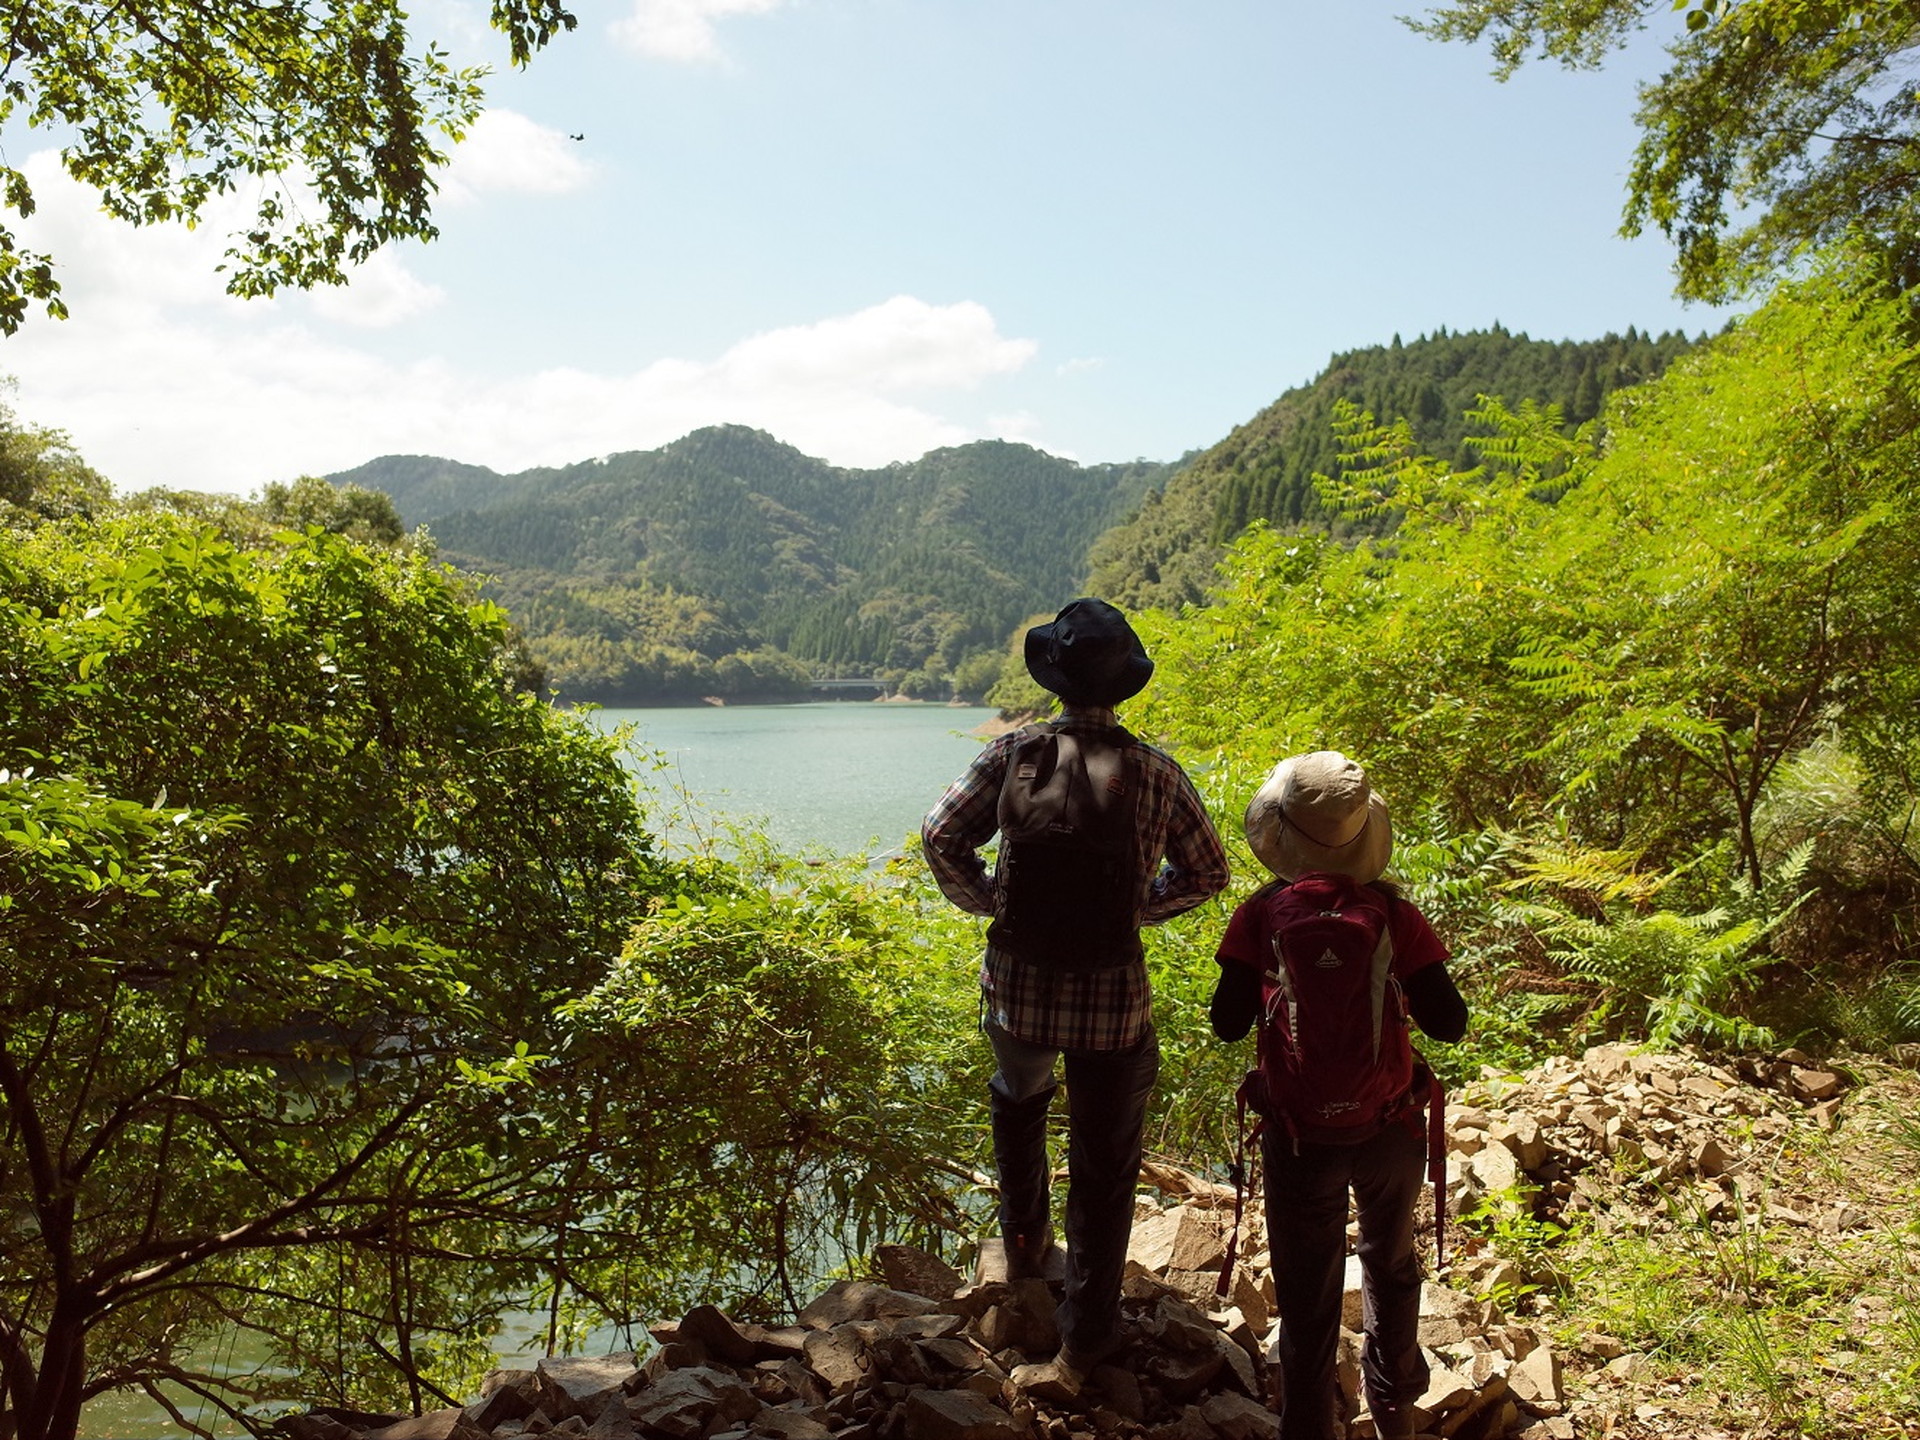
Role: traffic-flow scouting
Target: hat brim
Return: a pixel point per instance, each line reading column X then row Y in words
column 1289, row 854
column 1106, row 666
column 1128, row 682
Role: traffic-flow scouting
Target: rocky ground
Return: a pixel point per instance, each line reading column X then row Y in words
column 1579, row 1195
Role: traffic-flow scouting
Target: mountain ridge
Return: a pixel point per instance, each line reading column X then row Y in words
column 728, row 563
column 628, row 571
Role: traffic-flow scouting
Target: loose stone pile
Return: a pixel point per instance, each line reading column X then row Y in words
column 920, row 1353
column 1573, row 1135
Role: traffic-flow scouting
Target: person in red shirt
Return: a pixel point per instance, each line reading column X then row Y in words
column 1317, row 815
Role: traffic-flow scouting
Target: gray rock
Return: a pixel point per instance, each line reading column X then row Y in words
column 958, row 1355
column 917, row 1273
column 672, row 1355
column 1119, row 1391
column 1495, row 1169
column 710, row 1330
column 1252, row 1299
column 1199, row 1288
column 1240, row 1364
column 1448, row 1317
column 505, row 1395
column 778, row 1381
column 1535, row 1378
column 687, row 1403
column 1520, row 1134
column 1607, row 1062
column 840, row 1358
column 613, row 1424
column 582, row 1384
column 991, row 1268
column 1710, row 1159
column 1239, row 1417
column 957, row 1415
column 1151, row 1244
column 1446, row 1390
column 847, row 1300
column 936, row 1326
column 1182, row 1326
column 1810, row 1085
column 1199, row 1241
column 1346, row 1365
column 1190, row 1424
column 449, row 1424
column 786, row 1423
column 1352, row 1295
column 1184, row 1375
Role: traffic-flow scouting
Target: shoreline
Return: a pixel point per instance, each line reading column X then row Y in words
column 731, row 702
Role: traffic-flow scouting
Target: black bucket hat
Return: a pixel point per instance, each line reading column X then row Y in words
column 1088, row 655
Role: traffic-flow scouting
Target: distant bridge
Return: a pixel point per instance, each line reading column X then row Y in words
column 872, row 685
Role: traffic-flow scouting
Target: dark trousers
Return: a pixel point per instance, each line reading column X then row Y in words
column 1107, row 1093
column 1307, row 1233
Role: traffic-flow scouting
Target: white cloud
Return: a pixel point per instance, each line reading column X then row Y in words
column 380, row 293
column 681, row 30
column 117, row 277
column 120, row 267
column 1024, row 426
column 505, row 152
column 901, row 344
column 162, row 379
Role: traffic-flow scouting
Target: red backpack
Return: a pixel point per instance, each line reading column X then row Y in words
column 1335, row 1061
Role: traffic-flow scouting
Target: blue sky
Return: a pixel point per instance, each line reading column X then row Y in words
column 1108, row 228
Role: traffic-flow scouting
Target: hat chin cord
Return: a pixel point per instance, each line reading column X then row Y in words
column 1315, row 839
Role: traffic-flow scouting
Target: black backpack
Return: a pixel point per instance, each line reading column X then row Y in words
column 1068, row 877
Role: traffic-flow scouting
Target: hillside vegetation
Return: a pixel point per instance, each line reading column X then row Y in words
column 1646, row 699
column 730, row 564
column 1165, row 554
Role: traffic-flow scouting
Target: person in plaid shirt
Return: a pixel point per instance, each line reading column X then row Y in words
column 1099, row 1019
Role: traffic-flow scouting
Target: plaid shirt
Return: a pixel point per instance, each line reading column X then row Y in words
column 1089, row 1009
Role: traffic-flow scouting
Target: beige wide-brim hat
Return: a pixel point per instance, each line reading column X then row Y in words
column 1317, row 813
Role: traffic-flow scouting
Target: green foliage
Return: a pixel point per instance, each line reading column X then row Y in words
column 41, row 475
column 1674, row 978
column 323, row 1014
column 164, row 106
column 1016, row 692
column 1774, row 1321
column 1164, row 555
column 1619, row 641
column 626, row 573
column 841, row 1091
column 365, row 515
column 1779, row 125
column 1540, row 1248
column 287, row 866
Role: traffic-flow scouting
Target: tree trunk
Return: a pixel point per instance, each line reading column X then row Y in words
column 55, row 1411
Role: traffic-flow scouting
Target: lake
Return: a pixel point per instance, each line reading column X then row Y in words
column 844, row 778
column 848, row 777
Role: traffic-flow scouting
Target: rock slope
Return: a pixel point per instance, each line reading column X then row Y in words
column 919, row 1352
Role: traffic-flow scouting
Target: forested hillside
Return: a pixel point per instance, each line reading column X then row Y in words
column 728, row 563
column 1165, row 555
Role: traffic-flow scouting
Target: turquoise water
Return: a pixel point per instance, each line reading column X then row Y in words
column 847, row 778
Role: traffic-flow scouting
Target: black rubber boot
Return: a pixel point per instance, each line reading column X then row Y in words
column 1393, row 1422
column 1020, row 1158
